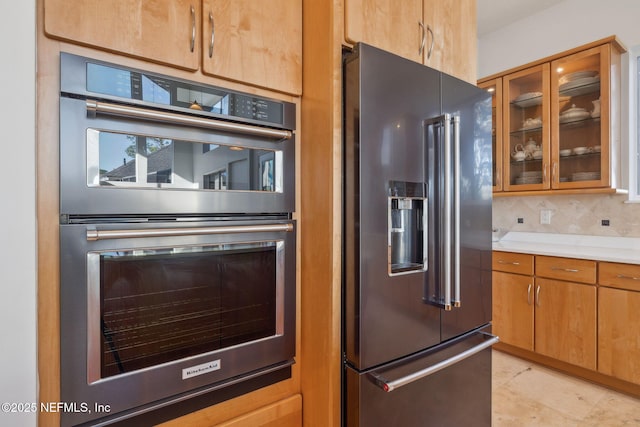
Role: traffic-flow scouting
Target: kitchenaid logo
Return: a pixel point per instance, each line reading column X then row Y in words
column 194, row 371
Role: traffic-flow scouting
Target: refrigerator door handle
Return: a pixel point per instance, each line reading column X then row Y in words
column 389, row 386
column 456, row 211
column 444, row 122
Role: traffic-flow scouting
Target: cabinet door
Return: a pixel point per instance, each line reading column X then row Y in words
column 164, row 31
column 526, row 134
column 565, row 321
column 580, row 107
column 513, row 309
column 453, row 27
column 254, row 42
column 618, row 326
column 495, row 88
column 387, row 24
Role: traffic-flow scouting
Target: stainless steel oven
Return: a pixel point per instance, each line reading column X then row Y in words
column 154, row 311
column 177, row 242
column 134, row 142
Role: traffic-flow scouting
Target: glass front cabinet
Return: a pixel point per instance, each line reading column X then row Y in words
column 580, row 115
column 494, row 87
column 559, row 128
column 526, row 129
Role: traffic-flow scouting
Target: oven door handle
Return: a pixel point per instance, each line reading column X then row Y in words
column 97, row 107
column 93, row 234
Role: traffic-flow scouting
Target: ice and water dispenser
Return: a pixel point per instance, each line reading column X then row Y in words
column 407, row 210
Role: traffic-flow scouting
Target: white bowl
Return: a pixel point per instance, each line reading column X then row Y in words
column 566, row 152
column 580, row 150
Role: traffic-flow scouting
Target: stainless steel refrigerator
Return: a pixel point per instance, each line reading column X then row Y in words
column 417, row 245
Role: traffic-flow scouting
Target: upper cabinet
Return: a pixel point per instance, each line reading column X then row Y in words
column 494, row 87
column 438, row 33
column 526, row 129
column 452, row 46
column 164, row 31
column 388, row 24
column 561, row 123
column 257, row 43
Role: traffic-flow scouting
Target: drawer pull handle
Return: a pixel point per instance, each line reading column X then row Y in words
column 568, row 270
column 538, row 296
column 529, row 294
column 507, row 262
column 622, row 276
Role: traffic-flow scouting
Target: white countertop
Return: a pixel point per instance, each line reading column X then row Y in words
column 599, row 248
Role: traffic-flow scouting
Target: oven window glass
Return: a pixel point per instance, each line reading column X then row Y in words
column 127, row 160
column 162, row 305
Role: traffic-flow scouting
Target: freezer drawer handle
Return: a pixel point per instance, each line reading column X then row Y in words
column 93, row 235
column 389, row 386
column 95, row 107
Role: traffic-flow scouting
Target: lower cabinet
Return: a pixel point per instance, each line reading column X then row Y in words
column 565, row 321
column 619, row 321
column 546, row 305
column 513, row 314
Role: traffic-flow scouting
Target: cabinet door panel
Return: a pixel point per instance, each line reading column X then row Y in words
column 386, row 24
column 453, row 23
column 618, row 326
column 565, row 322
column 157, row 30
column 513, row 309
column 255, row 42
column 580, row 109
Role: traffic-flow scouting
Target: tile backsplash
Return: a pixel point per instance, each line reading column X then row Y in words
column 570, row 214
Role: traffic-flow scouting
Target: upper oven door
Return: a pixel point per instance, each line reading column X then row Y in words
column 119, row 160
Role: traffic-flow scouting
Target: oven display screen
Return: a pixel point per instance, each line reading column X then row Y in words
column 128, row 84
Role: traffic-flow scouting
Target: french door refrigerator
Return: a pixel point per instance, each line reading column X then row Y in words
column 417, row 245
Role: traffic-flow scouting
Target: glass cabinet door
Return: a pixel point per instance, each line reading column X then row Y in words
column 526, row 149
column 494, row 87
column 580, row 117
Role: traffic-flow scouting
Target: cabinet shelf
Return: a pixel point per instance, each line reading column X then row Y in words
column 579, row 123
column 580, row 90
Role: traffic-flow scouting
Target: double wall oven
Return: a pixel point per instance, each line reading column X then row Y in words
column 177, row 240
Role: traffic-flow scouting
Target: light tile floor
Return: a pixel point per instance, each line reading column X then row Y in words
column 526, row 394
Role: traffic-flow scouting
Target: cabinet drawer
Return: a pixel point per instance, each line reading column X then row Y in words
column 511, row 262
column 623, row 276
column 571, row 269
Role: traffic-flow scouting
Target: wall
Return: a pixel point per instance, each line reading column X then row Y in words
column 569, row 24
column 18, row 381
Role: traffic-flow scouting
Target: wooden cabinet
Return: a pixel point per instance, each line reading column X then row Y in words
column 619, row 321
column 438, row 33
column 512, row 293
column 581, row 119
column 526, row 129
column 390, row 25
column 454, row 37
column 257, row 43
column 163, row 31
column 565, row 324
column 494, row 87
column 254, row 42
column 553, row 313
column 561, row 122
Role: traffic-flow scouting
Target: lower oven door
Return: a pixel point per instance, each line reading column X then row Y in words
column 154, row 311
